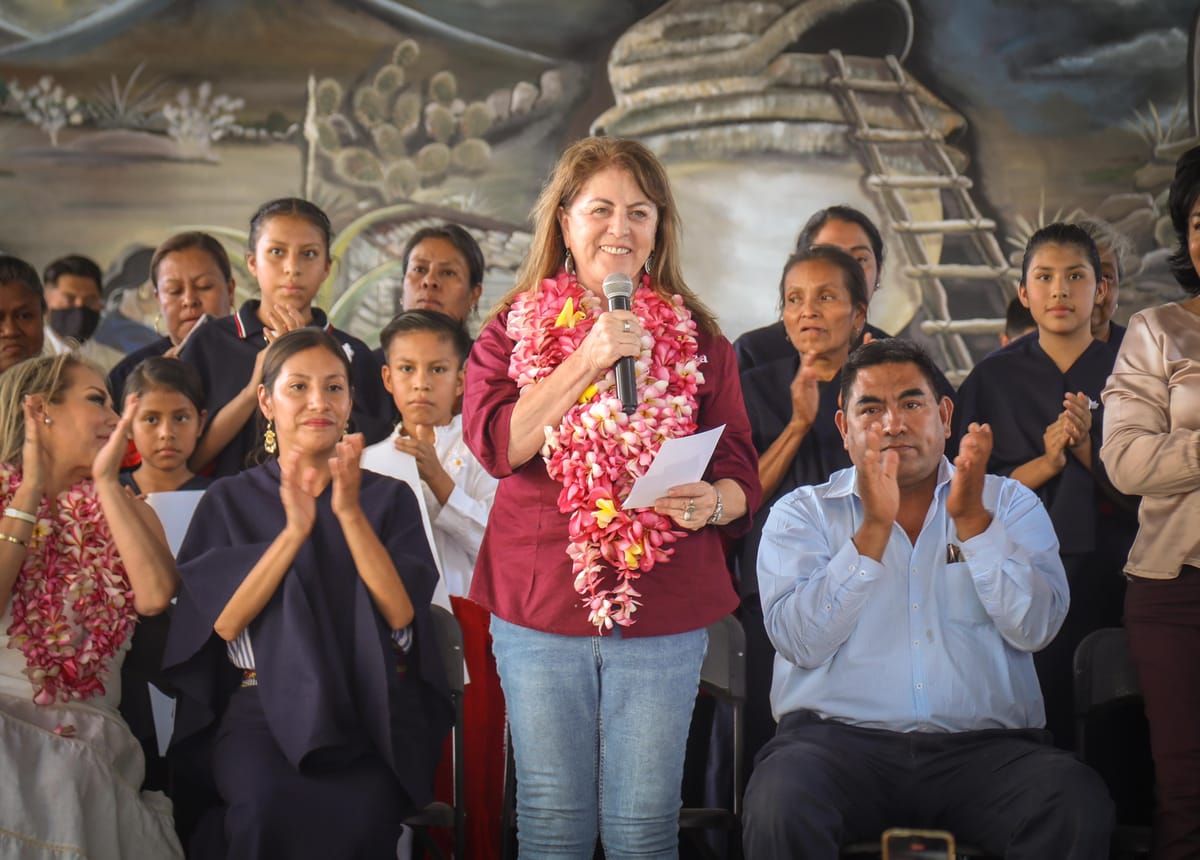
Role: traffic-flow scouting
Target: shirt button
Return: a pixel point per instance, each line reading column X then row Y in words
column 916, row 642
column 920, row 686
column 828, row 607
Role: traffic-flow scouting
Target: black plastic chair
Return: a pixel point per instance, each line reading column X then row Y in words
column 439, row 814
column 722, row 676
column 1108, row 705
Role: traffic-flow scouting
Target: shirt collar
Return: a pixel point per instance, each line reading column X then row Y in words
column 844, row 483
column 249, row 325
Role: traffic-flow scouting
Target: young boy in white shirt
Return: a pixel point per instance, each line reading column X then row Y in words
column 426, row 355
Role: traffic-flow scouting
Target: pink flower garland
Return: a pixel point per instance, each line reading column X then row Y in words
column 598, row 451
column 72, row 604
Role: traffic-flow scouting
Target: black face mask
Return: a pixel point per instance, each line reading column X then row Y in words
column 76, row 323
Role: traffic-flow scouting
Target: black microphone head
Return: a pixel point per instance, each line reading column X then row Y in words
column 618, row 284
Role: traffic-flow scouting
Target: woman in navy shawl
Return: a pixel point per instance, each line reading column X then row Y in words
column 791, row 402
column 311, row 694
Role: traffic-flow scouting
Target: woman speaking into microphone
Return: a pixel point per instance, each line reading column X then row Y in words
column 599, row 612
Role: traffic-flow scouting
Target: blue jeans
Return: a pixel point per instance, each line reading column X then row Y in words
column 599, row 728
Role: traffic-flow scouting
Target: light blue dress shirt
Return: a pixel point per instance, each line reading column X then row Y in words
column 919, row 642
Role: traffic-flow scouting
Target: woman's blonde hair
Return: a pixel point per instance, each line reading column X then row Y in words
column 45, row 375
column 579, row 163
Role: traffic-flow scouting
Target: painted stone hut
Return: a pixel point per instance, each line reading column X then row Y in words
column 761, row 124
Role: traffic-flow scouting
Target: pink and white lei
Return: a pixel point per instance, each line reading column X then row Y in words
column 72, row 604
column 598, row 451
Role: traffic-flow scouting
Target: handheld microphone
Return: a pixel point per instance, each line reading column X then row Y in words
column 618, row 289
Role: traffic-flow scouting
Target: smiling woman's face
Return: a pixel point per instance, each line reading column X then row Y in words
column 609, row 227
column 309, row 402
column 81, row 420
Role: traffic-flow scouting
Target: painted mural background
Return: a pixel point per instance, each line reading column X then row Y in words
column 958, row 125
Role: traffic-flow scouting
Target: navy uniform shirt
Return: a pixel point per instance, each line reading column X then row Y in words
column 766, row 390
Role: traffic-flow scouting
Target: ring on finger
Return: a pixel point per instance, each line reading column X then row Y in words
column 628, row 326
column 689, row 510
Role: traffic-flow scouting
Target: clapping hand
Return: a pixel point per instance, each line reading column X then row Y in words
column 107, row 463
column 35, row 465
column 1077, row 416
column 877, row 485
column 282, row 319
column 880, row 494
column 806, row 398
column 964, row 503
column 1056, row 439
column 298, row 490
column 347, row 476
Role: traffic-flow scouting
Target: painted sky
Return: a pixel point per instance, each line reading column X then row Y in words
column 1056, row 68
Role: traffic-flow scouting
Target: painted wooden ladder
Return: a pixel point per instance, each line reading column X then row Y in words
column 915, row 159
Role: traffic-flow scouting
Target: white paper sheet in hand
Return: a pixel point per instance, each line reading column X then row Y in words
column 679, row 461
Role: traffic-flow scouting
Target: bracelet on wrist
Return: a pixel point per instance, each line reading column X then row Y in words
column 719, row 510
column 18, row 514
column 12, row 539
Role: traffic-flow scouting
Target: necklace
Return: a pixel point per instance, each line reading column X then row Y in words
column 597, row 451
column 72, row 604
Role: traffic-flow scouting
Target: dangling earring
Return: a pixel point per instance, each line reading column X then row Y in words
column 157, row 320
column 649, row 262
column 569, row 263
column 269, row 442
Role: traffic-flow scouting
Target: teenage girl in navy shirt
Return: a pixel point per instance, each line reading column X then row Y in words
column 289, row 257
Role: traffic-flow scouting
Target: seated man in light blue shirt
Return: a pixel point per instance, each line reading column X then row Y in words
column 905, row 598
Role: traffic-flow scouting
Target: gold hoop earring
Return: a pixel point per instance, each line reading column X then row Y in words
column 270, row 444
column 157, row 320
column 569, row 263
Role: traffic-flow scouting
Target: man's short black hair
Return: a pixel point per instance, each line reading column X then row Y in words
column 888, row 350
column 77, row 265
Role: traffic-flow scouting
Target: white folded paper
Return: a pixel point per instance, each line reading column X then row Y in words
column 679, row 461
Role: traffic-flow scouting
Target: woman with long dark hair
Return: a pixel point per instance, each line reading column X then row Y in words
column 311, row 693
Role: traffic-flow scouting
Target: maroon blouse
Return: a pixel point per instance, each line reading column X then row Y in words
column 523, row 573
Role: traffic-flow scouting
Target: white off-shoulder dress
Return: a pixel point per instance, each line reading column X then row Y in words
column 71, row 775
